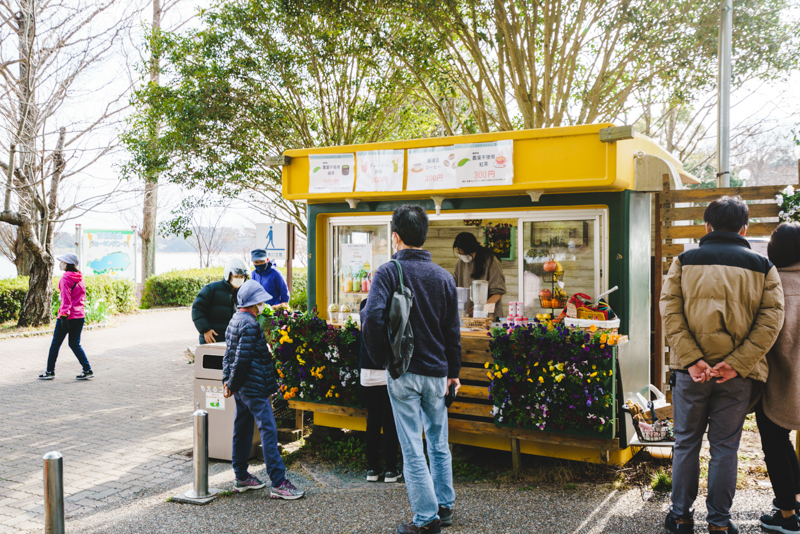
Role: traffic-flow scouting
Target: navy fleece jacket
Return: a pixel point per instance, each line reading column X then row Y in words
column 434, row 315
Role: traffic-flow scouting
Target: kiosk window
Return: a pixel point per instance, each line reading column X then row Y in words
column 358, row 252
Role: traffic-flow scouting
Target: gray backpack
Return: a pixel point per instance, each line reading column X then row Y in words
column 401, row 336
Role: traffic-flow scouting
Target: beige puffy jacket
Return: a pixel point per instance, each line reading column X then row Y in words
column 722, row 302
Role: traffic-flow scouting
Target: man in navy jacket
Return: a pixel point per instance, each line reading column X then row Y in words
column 435, row 365
column 268, row 276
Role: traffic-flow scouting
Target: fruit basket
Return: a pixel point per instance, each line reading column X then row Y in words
column 553, row 276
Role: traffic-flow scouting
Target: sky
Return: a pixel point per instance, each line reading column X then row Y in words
column 776, row 103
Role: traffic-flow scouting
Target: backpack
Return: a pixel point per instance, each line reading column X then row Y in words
column 401, row 336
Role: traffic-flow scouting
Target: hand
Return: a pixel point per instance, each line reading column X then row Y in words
column 724, row 371
column 700, row 372
column 225, row 391
column 210, row 336
column 455, row 381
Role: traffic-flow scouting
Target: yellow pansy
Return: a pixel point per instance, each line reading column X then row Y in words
column 593, row 328
column 541, row 380
column 486, row 366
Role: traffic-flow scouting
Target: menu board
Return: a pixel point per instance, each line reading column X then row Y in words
column 331, row 173
column 432, row 168
column 356, row 256
column 485, row 164
column 380, row 170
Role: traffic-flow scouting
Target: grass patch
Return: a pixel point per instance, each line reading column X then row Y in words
column 350, row 450
column 470, row 471
column 662, row 481
column 570, row 487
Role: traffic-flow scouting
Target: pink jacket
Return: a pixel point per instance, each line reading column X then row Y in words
column 73, row 295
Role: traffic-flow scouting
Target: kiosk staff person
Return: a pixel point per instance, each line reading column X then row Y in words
column 477, row 262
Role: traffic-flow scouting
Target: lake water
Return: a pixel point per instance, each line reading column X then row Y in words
column 165, row 261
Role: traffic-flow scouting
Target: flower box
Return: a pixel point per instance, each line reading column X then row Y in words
column 554, row 379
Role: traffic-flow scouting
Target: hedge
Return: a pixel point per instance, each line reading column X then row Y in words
column 118, row 295
column 179, row 288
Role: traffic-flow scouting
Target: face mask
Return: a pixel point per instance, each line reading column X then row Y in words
column 237, row 282
column 394, row 244
column 261, row 308
column 63, row 266
column 262, row 268
column 466, row 258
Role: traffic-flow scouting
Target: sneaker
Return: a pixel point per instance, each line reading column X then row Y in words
column 730, row 529
column 250, row 483
column 776, row 509
column 47, row 375
column 446, row 516
column 679, row 525
column 85, row 375
column 392, row 476
column 778, row 523
column 286, row 491
column 373, row 476
column 434, row 527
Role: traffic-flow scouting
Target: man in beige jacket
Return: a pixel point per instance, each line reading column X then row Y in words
column 722, row 306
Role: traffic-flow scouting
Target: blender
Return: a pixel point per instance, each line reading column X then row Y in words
column 480, row 294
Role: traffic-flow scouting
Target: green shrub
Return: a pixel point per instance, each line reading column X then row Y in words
column 118, row 296
column 177, row 288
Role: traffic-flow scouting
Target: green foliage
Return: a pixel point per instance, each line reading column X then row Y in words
column 350, row 451
column 104, row 297
column 662, row 481
column 177, row 288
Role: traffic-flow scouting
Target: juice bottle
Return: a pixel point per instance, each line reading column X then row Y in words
column 349, row 285
column 344, row 284
column 364, row 287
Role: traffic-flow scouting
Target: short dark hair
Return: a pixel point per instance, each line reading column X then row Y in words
column 72, row 268
column 784, row 245
column 410, row 222
column 727, row 214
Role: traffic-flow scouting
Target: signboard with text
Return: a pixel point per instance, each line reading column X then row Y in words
column 485, row 164
column 356, row 256
column 108, row 252
column 379, row 170
column 331, row 173
column 432, row 168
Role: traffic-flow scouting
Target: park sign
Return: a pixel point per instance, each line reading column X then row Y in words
column 272, row 237
column 108, row 252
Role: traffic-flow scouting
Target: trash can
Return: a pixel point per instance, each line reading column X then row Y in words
column 208, row 396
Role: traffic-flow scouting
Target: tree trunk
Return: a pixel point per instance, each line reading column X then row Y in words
column 36, row 307
column 149, row 214
column 22, row 256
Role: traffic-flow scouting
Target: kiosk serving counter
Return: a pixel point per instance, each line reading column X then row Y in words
column 576, row 195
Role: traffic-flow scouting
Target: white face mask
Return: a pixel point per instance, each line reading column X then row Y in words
column 237, row 282
column 466, row 258
column 261, row 308
column 394, row 243
column 63, row 266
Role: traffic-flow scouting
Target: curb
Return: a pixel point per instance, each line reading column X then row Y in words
column 49, row 332
column 154, row 310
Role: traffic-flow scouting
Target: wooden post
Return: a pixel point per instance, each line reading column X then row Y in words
column 516, row 457
column 289, row 255
column 298, row 419
column 658, row 334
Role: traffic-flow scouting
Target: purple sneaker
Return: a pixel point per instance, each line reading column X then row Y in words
column 286, row 491
column 240, row 486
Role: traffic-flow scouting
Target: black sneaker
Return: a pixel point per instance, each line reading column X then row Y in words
column 776, row 509
column 730, row 529
column 434, row 527
column 47, row 375
column 392, row 476
column 682, row 525
column 85, row 375
column 446, row 516
column 778, row 523
column 373, row 476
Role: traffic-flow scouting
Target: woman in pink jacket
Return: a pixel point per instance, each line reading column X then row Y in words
column 70, row 318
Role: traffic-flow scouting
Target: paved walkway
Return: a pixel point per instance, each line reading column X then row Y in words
column 119, row 433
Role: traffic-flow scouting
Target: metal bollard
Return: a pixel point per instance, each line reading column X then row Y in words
column 53, row 493
column 201, row 494
column 201, row 453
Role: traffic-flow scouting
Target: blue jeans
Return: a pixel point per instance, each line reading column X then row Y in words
column 64, row 328
column 260, row 409
column 418, row 404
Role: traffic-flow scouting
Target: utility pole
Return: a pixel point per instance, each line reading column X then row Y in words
column 724, row 94
column 149, row 213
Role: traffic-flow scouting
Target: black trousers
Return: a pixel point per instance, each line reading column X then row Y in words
column 781, row 460
column 379, row 415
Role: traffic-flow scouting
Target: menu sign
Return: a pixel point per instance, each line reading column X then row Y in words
column 356, row 256
column 380, row 170
column 432, row 168
column 485, row 164
column 331, row 173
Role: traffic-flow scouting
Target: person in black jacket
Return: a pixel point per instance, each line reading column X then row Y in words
column 379, row 415
column 215, row 304
column 248, row 374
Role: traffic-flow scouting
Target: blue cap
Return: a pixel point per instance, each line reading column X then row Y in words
column 69, row 257
column 258, row 254
column 251, row 293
